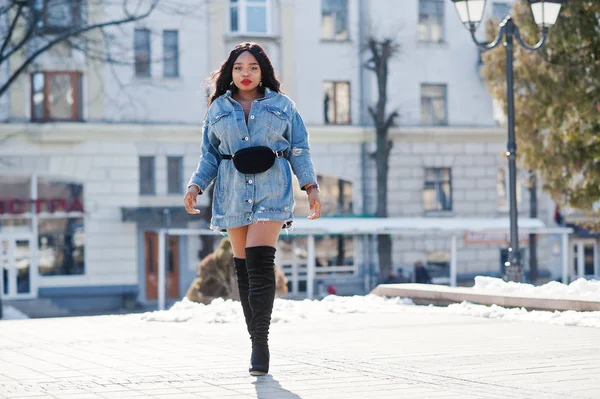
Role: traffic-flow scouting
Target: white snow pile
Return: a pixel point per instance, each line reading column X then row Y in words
column 579, row 289
column 566, row 318
column 10, row 313
column 284, row 310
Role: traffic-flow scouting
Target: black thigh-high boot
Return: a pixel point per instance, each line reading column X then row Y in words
column 260, row 262
column 241, row 273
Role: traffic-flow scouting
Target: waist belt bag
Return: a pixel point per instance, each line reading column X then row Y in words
column 254, row 159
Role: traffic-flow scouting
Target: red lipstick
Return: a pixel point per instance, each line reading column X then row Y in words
column 246, row 82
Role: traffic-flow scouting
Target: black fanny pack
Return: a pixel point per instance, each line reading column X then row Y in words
column 254, row 159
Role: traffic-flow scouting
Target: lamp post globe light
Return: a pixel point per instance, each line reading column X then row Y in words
column 545, row 14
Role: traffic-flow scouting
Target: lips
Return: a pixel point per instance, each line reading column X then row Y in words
column 246, row 82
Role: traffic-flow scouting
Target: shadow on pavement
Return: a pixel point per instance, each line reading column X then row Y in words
column 269, row 388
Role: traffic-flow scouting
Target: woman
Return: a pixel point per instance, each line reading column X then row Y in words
column 253, row 197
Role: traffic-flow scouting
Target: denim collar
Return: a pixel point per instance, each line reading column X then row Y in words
column 268, row 94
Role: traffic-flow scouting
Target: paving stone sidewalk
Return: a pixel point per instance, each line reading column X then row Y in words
column 420, row 352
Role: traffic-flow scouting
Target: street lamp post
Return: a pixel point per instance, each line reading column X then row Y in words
column 545, row 13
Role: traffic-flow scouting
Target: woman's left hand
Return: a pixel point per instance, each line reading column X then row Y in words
column 315, row 205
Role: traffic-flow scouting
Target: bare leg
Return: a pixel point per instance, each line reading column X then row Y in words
column 263, row 233
column 237, row 237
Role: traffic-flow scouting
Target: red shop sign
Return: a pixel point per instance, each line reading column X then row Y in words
column 15, row 206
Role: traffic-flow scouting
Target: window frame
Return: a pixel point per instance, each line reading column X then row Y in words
column 76, row 16
column 153, row 190
column 76, row 107
column 334, row 102
column 445, row 122
column 135, row 52
column 179, row 181
column 176, row 58
column 437, row 183
column 242, row 6
column 506, row 208
column 347, row 27
column 429, row 39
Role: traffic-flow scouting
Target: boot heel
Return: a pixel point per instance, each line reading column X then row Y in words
column 259, row 360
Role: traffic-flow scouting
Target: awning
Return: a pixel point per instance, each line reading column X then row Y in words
column 415, row 225
column 159, row 215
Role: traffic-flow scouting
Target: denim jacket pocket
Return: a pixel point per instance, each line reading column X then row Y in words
column 219, row 123
column 276, row 119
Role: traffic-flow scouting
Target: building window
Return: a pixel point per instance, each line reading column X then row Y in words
column 61, row 240
column 56, row 96
column 431, row 20
column 174, row 175
column 58, row 15
column 61, row 244
column 171, row 53
column 502, row 190
column 334, row 19
column 434, row 105
column 336, row 103
column 249, row 16
column 147, row 175
column 142, row 52
column 336, row 197
column 437, row 195
column 500, row 10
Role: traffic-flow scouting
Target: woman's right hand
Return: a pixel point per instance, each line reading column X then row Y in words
column 190, row 200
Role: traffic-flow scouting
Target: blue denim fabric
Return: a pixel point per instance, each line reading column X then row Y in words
column 241, row 199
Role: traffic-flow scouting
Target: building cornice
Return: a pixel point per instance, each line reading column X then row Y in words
column 64, row 132
column 79, row 132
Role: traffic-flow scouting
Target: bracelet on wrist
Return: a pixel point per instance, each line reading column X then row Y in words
column 312, row 186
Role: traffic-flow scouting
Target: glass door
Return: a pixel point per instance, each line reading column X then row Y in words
column 16, row 257
column 585, row 259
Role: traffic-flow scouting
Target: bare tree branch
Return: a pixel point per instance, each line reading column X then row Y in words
column 17, row 47
column 390, row 120
column 11, row 29
column 75, row 31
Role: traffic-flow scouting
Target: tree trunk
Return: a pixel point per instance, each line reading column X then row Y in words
column 381, row 52
column 384, row 242
column 533, row 213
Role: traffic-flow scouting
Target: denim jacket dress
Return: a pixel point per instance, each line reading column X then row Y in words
column 241, row 199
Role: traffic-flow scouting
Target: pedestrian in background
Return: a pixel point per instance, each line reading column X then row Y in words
column 421, row 274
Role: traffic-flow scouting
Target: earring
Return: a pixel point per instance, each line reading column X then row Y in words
column 260, row 84
column 231, row 84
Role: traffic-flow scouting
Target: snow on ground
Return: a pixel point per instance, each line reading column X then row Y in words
column 566, row 318
column 578, row 289
column 286, row 311
column 10, row 313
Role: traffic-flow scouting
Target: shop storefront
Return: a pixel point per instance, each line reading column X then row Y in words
column 42, row 232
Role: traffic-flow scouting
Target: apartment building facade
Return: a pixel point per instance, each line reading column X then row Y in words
column 95, row 155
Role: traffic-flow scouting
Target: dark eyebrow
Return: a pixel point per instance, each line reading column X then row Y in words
column 239, row 63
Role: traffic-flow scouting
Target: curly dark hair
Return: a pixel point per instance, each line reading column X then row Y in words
column 223, row 76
